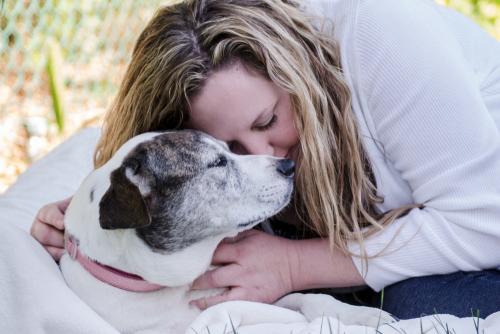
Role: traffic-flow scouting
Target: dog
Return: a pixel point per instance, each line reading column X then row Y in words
column 143, row 226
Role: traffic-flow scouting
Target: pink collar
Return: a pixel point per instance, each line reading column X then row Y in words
column 106, row 274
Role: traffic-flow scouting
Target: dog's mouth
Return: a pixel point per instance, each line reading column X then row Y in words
column 265, row 215
column 254, row 222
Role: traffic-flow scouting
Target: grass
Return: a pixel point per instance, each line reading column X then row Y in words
column 54, row 64
column 380, row 309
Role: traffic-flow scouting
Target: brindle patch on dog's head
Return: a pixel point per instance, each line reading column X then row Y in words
column 148, row 188
column 181, row 187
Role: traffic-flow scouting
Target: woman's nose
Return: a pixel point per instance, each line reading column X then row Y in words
column 256, row 147
column 260, row 150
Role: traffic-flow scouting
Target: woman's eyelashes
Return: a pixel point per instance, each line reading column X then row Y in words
column 268, row 125
column 236, row 148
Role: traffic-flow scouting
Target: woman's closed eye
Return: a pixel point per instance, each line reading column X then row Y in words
column 268, row 124
column 237, row 148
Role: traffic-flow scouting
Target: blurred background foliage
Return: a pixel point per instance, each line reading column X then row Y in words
column 484, row 12
column 61, row 62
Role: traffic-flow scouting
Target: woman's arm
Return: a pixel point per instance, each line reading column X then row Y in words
column 315, row 266
column 424, row 100
column 260, row 267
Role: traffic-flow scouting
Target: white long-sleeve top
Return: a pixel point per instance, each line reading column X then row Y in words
column 426, row 94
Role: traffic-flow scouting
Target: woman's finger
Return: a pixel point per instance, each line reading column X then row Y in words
column 63, row 205
column 230, row 294
column 51, row 215
column 217, row 278
column 230, row 249
column 55, row 252
column 47, row 235
column 225, row 253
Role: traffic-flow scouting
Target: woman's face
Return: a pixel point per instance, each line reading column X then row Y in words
column 250, row 113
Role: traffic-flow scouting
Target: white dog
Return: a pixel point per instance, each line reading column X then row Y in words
column 142, row 227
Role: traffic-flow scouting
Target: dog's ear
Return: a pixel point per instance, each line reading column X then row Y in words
column 123, row 205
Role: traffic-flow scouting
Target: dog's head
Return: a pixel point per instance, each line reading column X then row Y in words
column 181, row 187
column 164, row 201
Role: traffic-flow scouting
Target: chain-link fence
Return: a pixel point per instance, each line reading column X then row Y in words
column 485, row 12
column 90, row 43
column 95, row 36
column 93, row 41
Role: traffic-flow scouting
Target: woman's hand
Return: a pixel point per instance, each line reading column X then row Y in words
column 48, row 227
column 260, row 267
column 254, row 265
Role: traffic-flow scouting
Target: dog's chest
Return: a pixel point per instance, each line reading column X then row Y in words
column 163, row 311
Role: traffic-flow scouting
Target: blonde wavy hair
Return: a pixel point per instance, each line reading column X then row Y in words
column 186, row 42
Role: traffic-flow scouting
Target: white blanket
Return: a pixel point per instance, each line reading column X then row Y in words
column 316, row 313
column 35, row 299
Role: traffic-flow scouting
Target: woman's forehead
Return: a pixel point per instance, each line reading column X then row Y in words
column 232, row 98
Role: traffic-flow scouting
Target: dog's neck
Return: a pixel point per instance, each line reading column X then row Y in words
column 112, row 276
column 124, row 250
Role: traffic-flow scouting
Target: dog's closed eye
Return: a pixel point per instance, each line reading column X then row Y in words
column 133, row 165
column 221, row 161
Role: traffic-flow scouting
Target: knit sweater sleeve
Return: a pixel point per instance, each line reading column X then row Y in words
column 435, row 129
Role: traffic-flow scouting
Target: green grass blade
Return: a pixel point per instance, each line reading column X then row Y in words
column 54, row 64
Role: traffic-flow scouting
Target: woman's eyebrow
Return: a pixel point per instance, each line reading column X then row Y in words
column 264, row 113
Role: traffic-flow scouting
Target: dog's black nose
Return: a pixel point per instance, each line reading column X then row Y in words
column 286, row 167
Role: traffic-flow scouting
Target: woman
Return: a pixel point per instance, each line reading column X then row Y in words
column 390, row 117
